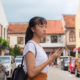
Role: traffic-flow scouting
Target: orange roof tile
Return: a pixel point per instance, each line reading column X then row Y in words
column 55, row 27
column 69, row 21
column 17, row 28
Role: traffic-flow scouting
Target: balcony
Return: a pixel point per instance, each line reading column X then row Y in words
column 70, row 43
column 52, row 44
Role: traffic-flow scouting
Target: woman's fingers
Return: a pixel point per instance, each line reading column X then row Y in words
column 60, row 52
column 57, row 51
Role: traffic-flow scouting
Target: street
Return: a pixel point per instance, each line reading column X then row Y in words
column 55, row 73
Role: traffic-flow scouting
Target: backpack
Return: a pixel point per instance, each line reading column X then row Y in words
column 19, row 73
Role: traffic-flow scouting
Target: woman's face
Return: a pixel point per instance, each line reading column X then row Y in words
column 40, row 30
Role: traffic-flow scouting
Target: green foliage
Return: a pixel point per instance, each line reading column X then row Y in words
column 15, row 51
column 12, row 54
column 0, row 40
column 3, row 44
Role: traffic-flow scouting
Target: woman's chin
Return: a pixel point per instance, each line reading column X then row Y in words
column 44, row 36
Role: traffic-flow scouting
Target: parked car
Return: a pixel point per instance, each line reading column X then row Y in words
column 18, row 61
column 64, row 63
column 9, row 63
column 77, row 68
column 2, row 72
column 71, row 65
column 62, row 57
column 19, row 57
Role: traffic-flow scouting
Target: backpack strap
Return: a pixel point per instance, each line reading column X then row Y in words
column 35, row 52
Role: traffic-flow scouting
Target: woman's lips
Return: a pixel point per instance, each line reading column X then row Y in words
column 44, row 33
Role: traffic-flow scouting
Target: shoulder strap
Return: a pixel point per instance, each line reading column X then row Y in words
column 35, row 49
column 35, row 52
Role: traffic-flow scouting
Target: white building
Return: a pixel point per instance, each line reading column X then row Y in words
column 16, row 34
column 3, row 22
column 70, row 37
column 55, row 35
column 55, row 38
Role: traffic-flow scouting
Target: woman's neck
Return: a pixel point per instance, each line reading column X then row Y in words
column 37, row 40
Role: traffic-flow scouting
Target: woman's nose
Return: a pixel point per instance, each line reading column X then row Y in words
column 45, row 28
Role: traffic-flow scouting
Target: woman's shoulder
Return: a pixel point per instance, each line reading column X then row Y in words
column 30, row 46
column 30, row 43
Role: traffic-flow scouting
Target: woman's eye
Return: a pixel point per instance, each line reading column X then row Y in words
column 41, row 26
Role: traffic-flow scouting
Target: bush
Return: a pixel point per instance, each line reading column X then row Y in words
column 15, row 51
column 3, row 44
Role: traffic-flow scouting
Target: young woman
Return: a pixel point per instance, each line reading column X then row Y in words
column 36, row 61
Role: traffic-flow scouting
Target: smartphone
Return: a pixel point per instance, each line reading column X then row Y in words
column 56, row 51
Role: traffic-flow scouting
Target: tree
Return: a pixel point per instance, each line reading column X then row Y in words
column 0, row 40
column 11, row 51
column 3, row 44
column 15, row 51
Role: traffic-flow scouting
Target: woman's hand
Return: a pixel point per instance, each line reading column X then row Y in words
column 55, row 55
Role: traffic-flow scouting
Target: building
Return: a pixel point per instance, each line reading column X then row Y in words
column 16, row 34
column 55, row 35
column 3, row 22
column 77, row 29
column 70, row 36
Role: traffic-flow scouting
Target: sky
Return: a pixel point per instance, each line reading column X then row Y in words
column 24, row 10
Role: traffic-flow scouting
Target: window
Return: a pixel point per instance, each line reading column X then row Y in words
column 20, row 40
column 60, row 38
column 53, row 39
column 72, row 36
column 43, row 40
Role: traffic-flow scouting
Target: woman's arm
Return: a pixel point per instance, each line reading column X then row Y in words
column 34, row 70
column 31, row 68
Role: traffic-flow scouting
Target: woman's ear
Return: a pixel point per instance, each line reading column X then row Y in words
column 32, row 29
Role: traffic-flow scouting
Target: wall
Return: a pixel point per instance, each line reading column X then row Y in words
column 13, row 39
column 3, row 21
column 77, row 28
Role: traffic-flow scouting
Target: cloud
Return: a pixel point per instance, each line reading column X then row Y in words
column 71, row 6
column 19, row 10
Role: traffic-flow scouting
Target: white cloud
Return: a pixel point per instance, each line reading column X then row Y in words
column 51, row 9
column 71, row 6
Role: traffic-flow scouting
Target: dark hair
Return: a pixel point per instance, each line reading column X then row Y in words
column 32, row 23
